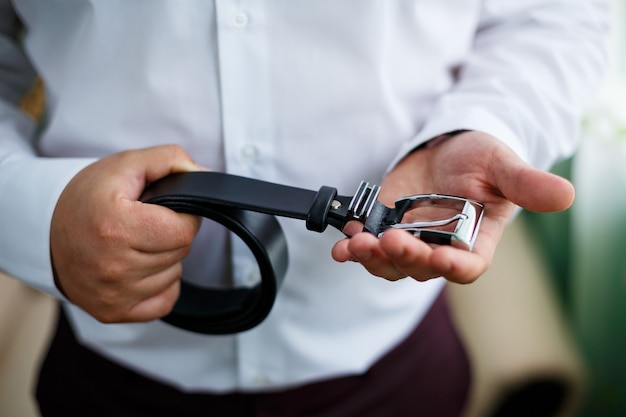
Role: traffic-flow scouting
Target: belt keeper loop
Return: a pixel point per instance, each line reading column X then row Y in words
column 316, row 218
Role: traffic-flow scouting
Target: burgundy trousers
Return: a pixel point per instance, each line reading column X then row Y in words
column 427, row 374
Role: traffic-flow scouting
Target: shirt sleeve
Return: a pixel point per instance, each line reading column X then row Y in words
column 532, row 70
column 29, row 185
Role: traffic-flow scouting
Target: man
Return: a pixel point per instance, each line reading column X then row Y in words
column 469, row 98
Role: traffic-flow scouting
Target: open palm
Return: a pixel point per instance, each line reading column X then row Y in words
column 472, row 165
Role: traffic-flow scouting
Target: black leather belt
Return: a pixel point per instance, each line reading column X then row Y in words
column 247, row 207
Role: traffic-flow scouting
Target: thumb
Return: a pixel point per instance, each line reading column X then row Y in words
column 160, row 161
column 138, row 168
column 531, row 188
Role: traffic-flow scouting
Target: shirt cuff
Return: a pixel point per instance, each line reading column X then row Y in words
column 447, row 118
column 30, row 188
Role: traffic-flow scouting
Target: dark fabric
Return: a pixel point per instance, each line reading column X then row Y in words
column 428, row 374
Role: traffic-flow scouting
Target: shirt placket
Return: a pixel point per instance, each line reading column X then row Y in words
column 247, row 136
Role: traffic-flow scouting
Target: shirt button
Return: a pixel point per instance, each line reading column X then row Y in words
column 240, row 20
column 249, row 152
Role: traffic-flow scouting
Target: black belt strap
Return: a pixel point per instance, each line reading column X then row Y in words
column 246, row 207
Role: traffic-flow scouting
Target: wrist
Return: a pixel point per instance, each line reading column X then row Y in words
column 441, row 138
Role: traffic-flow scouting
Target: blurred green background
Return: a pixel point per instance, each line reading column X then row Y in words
column 585, row 247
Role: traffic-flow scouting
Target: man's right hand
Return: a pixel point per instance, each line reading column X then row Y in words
column 114, row 256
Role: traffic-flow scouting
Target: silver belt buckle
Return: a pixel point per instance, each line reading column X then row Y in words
column 457, row 225
column 434, row 218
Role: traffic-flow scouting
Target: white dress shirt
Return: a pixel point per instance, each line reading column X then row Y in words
column 304, row 93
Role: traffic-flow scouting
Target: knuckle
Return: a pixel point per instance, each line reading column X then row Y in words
column 108, row 300
column 109, row 231
column 126, row 154
column 175, row 151
column 111, row 270
column 107, row 315
column 105, row 318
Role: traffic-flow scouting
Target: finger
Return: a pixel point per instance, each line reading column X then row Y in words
column 340, row 251
column 550, row 193
column 409, row 255
column 144, row 264
column 156, row 306
column 159, row 305
column 152, row 285
column 150, row 298
column 159, row 161
column 152, row 308
column 422, row 261
column 457, row 265
column 400, row 254
column 137, row 168
column 365, row 248
column 463, row 266
column 529, row 187
column 154, row 228
column 352, row 228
